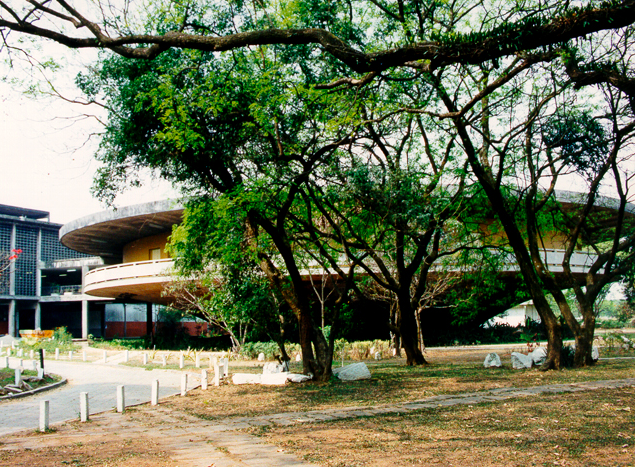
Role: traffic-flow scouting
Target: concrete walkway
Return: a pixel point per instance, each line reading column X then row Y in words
column 100, row 381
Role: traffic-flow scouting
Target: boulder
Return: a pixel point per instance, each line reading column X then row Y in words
column 521, row 361
column 538, row 356
column 246, row 378
column 273, row 367
column 274, row 379
column 261, row 357
column 353, row 372
column 492, row 360
column 297, row 378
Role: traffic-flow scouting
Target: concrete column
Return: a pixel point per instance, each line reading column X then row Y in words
column 12, row 318
column 83, row 406
column 149, row 319
column 121, row 399
column 44, row 415
column 154, row 396
column 38, row 316
column 84, row 319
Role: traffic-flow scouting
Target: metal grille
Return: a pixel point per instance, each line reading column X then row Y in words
column 5, row 248
column 26, row 264
column 53, row 250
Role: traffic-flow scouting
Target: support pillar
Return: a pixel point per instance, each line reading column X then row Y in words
column 149, row 320
column 12, row 318
column 84, row 319
column 38, row 316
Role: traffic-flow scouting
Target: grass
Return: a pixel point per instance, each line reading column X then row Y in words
column 392, row 382
column 590, row 428
column 7, row 376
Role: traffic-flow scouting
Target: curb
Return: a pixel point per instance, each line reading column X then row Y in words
column 34, row 391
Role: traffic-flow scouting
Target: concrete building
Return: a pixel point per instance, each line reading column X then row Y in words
column 42, row 288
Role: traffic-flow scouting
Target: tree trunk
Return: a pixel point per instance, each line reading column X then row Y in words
column 554, row 342
column 584, row 339
column 409, row 334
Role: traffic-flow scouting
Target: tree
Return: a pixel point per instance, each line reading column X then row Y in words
column 468, row 53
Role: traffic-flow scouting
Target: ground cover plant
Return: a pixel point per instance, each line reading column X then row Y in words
column 61, row 339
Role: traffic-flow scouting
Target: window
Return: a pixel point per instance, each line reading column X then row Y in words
column 155, row 253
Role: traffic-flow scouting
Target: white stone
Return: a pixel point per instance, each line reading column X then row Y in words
column 353, row 372
column 298, row 357
column 377, row 355
column 521, row 361
column 595, row 353
column 274, row 379
column 261, row 357
column 492, row 360
column 273, row 367
column 246, row 378
column 298, row 378
column 538, row 356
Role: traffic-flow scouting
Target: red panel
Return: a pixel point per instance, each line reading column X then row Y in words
column 4, row 327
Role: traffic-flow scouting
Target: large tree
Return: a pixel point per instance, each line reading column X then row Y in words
column 467, row 52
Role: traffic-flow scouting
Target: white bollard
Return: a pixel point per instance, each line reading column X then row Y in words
column 21, row 364
column 164, row 360
column 204, row 380
column 83, row 406
column 154, row 399
column 44, row 415
column 31, row 354
column 145, row 358
column 184, row 384
column 198, row 361
column 34, row 365
column 40, row 373
column 226, row 367
column 18, row 377
column 121, row 399
column 57, row 354
column 181, row 361
column 70, row 355
column 216, row 372
column 43, row 353
column 20, row 353
column 105, row 355
column 8, row 352
column 6, row 362
column 126, row 356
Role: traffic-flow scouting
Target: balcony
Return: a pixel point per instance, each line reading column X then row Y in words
column 142, row 280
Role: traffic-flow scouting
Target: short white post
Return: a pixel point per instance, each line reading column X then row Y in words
column 216, row 372
column 198, row 361
column 70, row 355
column 121, row 399
column 154, row 399
column 34, row 365
column 204, row 380
column 20, row 353
column 6, row 362
column 184, row 384
column 40, row 373
column 226, row 368
column 9, row 352
column 181, row 361
column 84, row 356
column 43, row 353
column 211, row 361
column 31, row 354
column 21, row 364
column 18, row 377
column 126, row 356
column 44, row 415
column 83, row 406
column 57, row 354
column 164, row 360
column 145, row 358
column 105, row 355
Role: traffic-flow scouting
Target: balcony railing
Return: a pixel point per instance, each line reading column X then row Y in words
column 48, row 290
column 142, row 269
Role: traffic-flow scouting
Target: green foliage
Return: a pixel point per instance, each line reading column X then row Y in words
column 61, row 339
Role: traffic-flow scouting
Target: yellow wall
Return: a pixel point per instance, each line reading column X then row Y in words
column 139, row 250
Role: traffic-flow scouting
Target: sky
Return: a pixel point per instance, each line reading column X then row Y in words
column 47, row 155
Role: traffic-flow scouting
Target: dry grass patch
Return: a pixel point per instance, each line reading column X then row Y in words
column 589, row 428
column 392, row 382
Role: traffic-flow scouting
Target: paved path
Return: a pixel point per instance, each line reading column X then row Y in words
column 100, row 381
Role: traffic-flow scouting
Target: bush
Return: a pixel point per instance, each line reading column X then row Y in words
column 61, row 339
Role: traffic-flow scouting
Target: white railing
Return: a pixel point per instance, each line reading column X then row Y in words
column 124, row 271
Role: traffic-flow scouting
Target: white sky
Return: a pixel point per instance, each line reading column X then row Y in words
column 46, row 156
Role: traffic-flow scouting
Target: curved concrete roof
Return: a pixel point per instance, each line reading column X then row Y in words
column 105, row 233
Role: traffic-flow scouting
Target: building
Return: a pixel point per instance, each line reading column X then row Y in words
column 42, row 288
